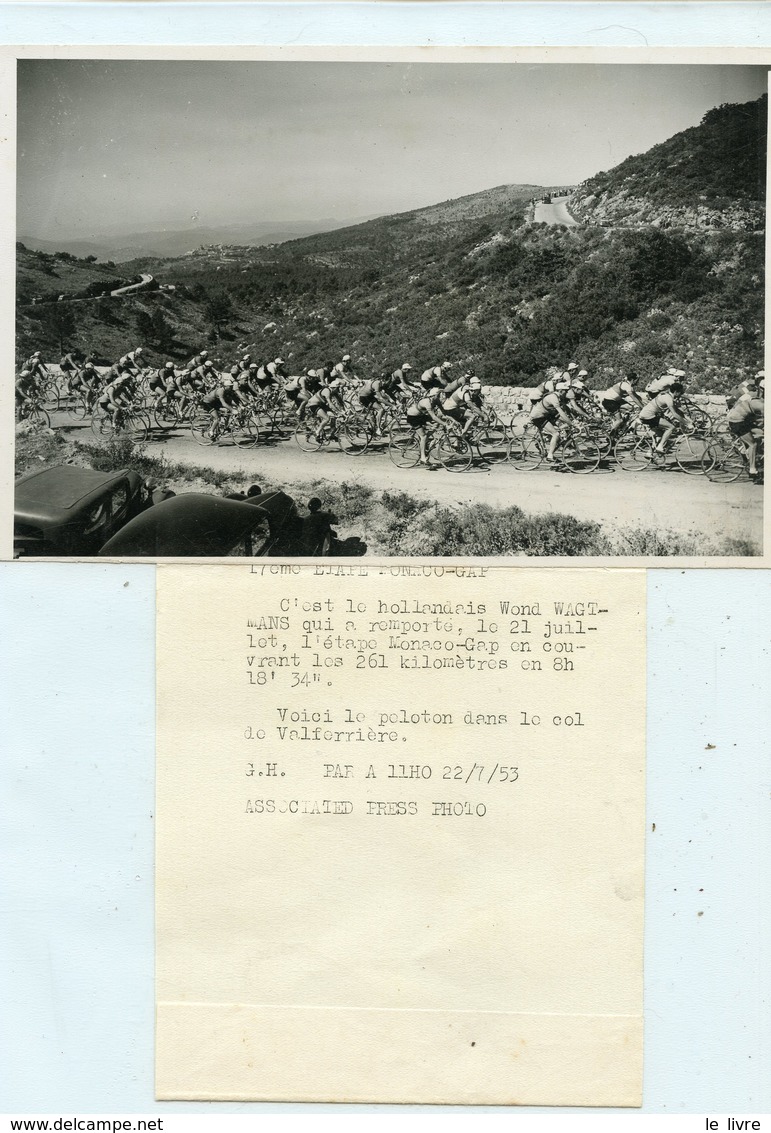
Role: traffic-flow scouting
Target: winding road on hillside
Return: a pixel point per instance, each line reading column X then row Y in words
column 119, row 292
column 555, row 213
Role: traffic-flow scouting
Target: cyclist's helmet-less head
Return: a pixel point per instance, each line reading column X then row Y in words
column 169, row 366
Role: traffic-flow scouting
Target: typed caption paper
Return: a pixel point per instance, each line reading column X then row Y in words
column 400, row 834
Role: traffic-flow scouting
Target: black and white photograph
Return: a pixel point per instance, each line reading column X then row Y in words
column 287, row 308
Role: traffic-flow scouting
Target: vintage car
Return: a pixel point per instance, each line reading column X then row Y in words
column 206, row 526
column 68, row 511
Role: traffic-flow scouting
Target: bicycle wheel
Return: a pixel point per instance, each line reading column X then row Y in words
column 723, row 465
column 579, row 455
column 38, row 418
column 354, row 435
column 688, row 452
column 624, row 452
column 641, row 456
column 404, row 447
column 78, row 408
column 519, row 423
column 204, row 431
column 165, row 416
column 525, row 452
column 603, row 439
column 136, row 426
column 453, row 452
column 493, row 443
column 306, row 437
column 245, row 433
column 101, row 423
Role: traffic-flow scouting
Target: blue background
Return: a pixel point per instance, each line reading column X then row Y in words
column 77, row 677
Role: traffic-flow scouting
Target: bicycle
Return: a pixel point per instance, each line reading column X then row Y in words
column 576, row 452
column 350, row 429
column 32, row 411
column 490, row 437
column 238, row 424
column 450, row 449
column 131, row 421
column 725, row 460
column 685, row 449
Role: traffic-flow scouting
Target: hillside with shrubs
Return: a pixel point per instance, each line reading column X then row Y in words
column 478, row 282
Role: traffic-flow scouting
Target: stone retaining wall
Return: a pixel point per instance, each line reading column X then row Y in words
column 508, row 399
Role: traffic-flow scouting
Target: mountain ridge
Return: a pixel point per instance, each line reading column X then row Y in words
column 475, row 280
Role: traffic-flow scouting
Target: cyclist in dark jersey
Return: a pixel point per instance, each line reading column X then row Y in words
column 546, row 415
column 746, row 421
column 419, row 415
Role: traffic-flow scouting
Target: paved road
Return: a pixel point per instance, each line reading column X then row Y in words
column 133, row 286
column 555, row 213
column 654, row 499
column 128, row 290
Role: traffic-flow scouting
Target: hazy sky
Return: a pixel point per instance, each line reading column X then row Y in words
column 128, row 146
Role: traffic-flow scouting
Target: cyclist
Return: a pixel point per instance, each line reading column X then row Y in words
column 224, row 398
column 620, row 397
column 662, row 416
column 326, row 405
column 665, row 382
column 79, row 379
column 198, row 360
column 573, row 396
column 464, row 406
column 745, row 420
column 436, row 376
column 742, row 388
column 69, row 368
column 27, row 390
column 548, row 385
column 344, row 368
column 116, row 396
column 248, row 383
column 309, row 384
column 161, row 383
column 424, row 409
column 270, row 375
column 402, row 378
column 36, row 366
column 546, row 414
column 133, row 362
column 292, row 390
column 188, row 385
column 379, row 392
